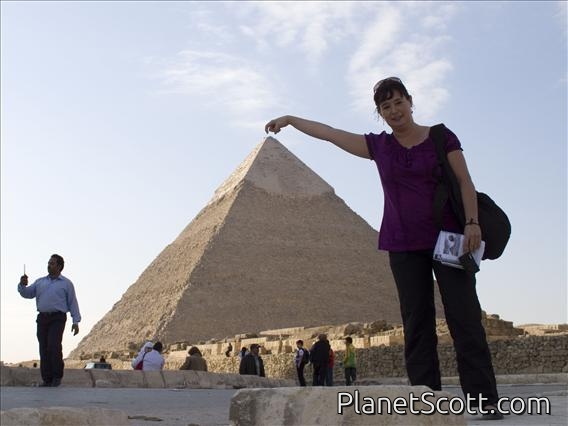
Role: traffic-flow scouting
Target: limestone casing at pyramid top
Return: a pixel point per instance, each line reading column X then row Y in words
column 273, row 168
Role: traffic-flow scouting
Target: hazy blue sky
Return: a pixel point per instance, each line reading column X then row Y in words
column 119, row 121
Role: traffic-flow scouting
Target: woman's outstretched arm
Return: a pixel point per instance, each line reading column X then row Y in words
column 351, row 142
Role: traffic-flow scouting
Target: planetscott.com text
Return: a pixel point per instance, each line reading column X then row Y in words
column 427, row 404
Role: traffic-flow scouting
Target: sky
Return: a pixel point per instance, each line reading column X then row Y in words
column 120, row 119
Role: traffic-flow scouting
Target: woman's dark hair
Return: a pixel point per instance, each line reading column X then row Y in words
column 386, row 90
column 158, row 346
column 194, row 350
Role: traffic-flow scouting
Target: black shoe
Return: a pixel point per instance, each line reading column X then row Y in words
column 55, row 383
column 492, row 414
column 45, row 384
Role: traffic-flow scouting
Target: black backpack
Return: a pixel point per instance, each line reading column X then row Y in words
column 494, row 223
column 305, row 356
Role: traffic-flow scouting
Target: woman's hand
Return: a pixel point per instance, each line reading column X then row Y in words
column 472, row 237
column 275, row 125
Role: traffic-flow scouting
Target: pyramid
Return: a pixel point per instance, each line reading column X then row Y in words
column 274, row 248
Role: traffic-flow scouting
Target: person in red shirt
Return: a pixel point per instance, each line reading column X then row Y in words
column 329, row 377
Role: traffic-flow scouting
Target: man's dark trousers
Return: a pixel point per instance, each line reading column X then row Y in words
column 413, row 276
column 50, row 327
column 320, row 372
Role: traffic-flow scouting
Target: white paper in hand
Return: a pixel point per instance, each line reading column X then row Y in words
column 449, row 248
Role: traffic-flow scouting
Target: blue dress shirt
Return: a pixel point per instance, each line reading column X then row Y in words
column 52, row 295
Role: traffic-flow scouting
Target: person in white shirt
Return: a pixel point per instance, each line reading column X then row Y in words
column 300, row 361
column 147, row 347
column 153, row 359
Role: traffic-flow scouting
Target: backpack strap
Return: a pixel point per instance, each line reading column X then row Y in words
column 441, row 194
column 448, row 188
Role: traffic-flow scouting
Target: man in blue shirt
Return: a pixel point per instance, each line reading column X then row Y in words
column 55, row 296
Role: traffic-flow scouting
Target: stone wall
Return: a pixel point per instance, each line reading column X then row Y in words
column 279, row 341
column 520, row 355
column 541, row 329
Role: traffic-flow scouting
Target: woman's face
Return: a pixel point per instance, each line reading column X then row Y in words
column 396, row 111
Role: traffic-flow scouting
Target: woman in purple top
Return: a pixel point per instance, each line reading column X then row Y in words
column 406, row 160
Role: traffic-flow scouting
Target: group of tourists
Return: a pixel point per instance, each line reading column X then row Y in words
column 322, row 358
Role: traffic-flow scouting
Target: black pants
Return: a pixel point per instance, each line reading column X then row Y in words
column 301, row 377
column 50, row 327
column 350, row 375
column 320, row 372
column 413, row 276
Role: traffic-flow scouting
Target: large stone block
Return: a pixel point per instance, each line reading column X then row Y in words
column 105, row 378
column 154, row 379
column 63, row 416
column 203, row 379
column 255, row 381
column 77, row 378
column 237, row 381
column 174, row 379
column 6, row 376
column 341, row 406
column 23, row 376
column 191, row 379
column 280, row 383
column 220, row 380
column 130, row 378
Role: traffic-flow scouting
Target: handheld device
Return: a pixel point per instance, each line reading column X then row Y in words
column 468, row 262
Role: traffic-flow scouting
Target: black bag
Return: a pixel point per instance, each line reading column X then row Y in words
column 494, row 223
column 305, row 356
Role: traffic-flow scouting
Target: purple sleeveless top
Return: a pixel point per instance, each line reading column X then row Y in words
column 409, row 178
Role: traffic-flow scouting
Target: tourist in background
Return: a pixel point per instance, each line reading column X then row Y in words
column 229, row 350
column 252, row 363
column 194, row 361
column 242, row 352
column 301, row 359
column 319, row 357
column 329, row 374
column 350, row 362
column 138, row 361
column 55, row 296
column 151, row 357
column 406, row 160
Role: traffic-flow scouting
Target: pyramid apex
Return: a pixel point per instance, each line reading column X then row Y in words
column 270, row 139
column 273, row 168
